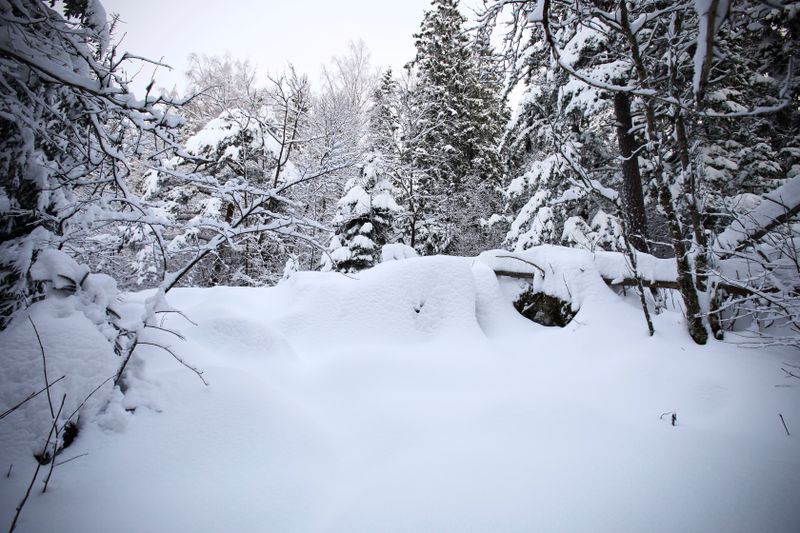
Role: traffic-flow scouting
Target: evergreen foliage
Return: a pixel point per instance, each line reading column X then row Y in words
column 364, row 219
column 455, row 154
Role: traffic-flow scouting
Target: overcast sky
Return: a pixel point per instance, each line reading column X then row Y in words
column 269, row 33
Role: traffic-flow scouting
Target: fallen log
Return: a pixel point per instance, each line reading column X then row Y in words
column 649, row 284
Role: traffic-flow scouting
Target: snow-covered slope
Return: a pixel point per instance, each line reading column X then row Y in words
column 412, row 397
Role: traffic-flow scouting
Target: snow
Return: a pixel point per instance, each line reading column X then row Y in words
column 577, row 95
column 537, row 15
column 357, row 200
column 74, row 348
column 774, row 205
column 703, row 9
column 222, row 129
column 58, row 267
column 385, row 201
column 540, row 172
column 412, row 397
column 397, row 252
column 535, row 215
column 5, row 201
column 97, row 19
column 224, row 137
column 586, row 36
column 362, row 242
column 340, row 253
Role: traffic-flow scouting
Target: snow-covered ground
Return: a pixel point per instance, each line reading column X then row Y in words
column 412, row 397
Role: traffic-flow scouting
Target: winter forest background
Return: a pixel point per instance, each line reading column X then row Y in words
column 655, row 128
column 660, row 139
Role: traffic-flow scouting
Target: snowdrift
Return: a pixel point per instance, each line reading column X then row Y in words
column 413, row 397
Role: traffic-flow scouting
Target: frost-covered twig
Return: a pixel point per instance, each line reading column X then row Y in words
column 167, row 330
column 65, row 461
column 177, row 312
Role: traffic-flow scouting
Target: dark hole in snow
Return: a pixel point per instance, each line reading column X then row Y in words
column 544, row 309
column 68, row 435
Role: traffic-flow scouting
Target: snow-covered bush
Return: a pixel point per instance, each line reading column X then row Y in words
column 66, row 344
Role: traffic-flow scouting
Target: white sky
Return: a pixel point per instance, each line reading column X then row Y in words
column 269, row 33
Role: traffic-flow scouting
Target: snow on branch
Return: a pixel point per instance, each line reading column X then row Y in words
column 777, row 207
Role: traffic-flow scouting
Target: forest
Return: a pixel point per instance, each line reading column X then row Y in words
column 564, row 229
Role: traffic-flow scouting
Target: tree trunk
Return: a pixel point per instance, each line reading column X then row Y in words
column 632, row 195
column 690, row 186
column 694, row 319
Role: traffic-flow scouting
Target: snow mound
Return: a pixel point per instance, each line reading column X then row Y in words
column 397, row 252
column 398, row 301
column 569, row 274
column 74, row 348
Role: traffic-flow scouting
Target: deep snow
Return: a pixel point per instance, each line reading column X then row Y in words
column 412, row 397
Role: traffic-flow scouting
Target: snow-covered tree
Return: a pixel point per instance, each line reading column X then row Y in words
column 686, row 94
column 69, row 127
column 215, row 84
column 336, row 134
column 364, row 219
column 556, row 149
column 239, row 150
column 455, row 153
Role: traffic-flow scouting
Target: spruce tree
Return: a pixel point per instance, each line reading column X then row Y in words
column 364, row 220
column 455, row 156
column 382, row 129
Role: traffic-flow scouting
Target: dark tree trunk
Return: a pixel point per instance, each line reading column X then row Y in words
column 701, row 262
column 632, row 195
column 697, row 329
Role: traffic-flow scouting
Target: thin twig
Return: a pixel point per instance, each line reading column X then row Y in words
column 784, row 425
column 27, row 493
column 44, row 366
column 166, row 330
column 31, row 397
column 199, row 373
column 181, row 313
column 55, row 446
column 65, row 461
column 85, row 400
column 33, row 479
column 537, row 267
column 128, row 356
column 790, row 374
